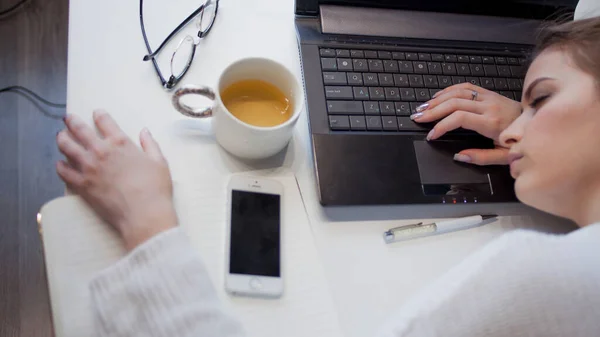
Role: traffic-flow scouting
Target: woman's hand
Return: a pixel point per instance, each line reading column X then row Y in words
column 129, row 188
column 487, row 113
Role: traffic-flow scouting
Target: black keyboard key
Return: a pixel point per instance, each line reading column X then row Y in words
column 392, row 94
column 487, row 59
column 512, row 61
column 358, row 123
column 386, row 80
column 374, row 123
column 449, row 68
column 501, row 83
column 517, row 71
column 342, row 53
column 344, row 64
column 338, row 92
column 398, row 55
column 360, row 92
column 360, row 65
column 384, row 55
column 328, row 64
column 420, row 67
column 500, row 60
column 327, row 52
column 390, row 66
column 450, row 58
column 407, row 94
column 357, row 54
column 405, row 124
column 487, row 83
column 473, row 80
column 414, row 106
column 387, row 108
column 437, row 57
column 507, row 94
column 463, row 69
column 504, row 71
column 463, row 58
column 376, row 93
column 406, row 67
column 514, row 84
column 458, row 80
column 430, row 81
column 355, row 78
column 389, row 123
column 522, row 61
column 371, row 108
column 477, row 70
column 422, row 94
column 445, row 81
column 370, row 54
column 433, row 92
column 434, row 68
column 339, row 122
column 401, row 80
column 412, row 56
column 424, row 57
column 370, row 79
column 375, row 65
column 475, row 59
column 345, row 107
column 334, row 78
column 402, row 108
column 490, row 70
column 415, row 81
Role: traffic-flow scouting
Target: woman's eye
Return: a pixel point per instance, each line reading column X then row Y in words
column 536, row 102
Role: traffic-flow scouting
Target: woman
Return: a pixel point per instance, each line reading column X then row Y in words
column 524, row 283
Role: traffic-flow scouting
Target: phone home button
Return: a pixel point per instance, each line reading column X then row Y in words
column 255, row 283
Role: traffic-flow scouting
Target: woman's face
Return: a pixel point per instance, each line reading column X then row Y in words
column 555, row 152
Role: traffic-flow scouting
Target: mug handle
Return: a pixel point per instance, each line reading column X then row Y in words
column 188, row 110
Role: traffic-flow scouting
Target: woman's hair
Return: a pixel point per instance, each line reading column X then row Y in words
column 580, row 39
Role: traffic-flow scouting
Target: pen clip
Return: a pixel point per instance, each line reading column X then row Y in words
column 405, row 227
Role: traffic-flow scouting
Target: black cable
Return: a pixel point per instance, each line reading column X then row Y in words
column 36, row 99
column 13, row 8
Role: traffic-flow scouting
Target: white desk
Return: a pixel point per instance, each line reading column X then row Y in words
column 367, row 278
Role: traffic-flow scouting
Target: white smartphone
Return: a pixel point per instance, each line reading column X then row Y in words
column 253, row 266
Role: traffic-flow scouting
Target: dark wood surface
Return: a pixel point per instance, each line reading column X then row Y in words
column 33, row 53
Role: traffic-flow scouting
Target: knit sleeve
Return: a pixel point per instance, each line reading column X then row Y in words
column 160, row 289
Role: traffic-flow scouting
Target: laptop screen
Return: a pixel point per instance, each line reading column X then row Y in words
column 531, row 9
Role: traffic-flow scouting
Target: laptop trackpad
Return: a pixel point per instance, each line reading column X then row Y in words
column 441, row 175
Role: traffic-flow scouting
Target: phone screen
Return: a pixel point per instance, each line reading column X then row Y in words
column 255, row 234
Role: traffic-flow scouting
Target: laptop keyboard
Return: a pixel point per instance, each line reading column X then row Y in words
column 369, row 90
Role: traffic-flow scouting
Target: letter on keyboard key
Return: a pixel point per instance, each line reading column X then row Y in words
column 371, row 108
column 345, row 107
column 376, row 93
column 339, row 123
column 387, row 108
column 361, row 92
column 407, row 94
column 334, row 78
column 338, row 92
column 402, row 108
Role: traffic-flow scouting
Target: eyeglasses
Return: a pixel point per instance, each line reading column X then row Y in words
column 182, row 57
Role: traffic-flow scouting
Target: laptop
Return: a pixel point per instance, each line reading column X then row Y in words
column 368, row 64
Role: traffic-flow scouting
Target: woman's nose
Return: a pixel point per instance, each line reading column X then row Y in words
column 514, row 132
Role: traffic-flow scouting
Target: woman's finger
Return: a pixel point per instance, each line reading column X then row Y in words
column 107, row 126
column 74, row 151
column 150, row 146
column 459, row 119
column 456, row 93
column 69, row 175
column 447, row 108
column 497, row 156
column 461, row 86
column 81, row 132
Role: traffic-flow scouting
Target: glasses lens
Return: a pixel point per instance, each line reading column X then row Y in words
column 207, row 17
column 182, row 57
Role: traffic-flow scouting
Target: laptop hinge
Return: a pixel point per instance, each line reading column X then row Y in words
column 426, row 25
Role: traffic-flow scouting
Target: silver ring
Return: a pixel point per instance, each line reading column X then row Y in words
column 474, row 95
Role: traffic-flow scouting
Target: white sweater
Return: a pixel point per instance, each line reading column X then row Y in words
column 522, row 284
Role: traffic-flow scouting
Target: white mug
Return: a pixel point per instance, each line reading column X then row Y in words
column 239, row 138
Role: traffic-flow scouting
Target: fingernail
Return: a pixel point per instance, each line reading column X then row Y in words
column 415, row 116
column 431, row 134
column 422, row 107
column 146, row 131
column 462, row 158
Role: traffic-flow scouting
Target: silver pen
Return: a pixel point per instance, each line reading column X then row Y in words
column 419, row 230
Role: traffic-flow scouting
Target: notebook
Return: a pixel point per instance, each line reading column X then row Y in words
column 77, row 245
